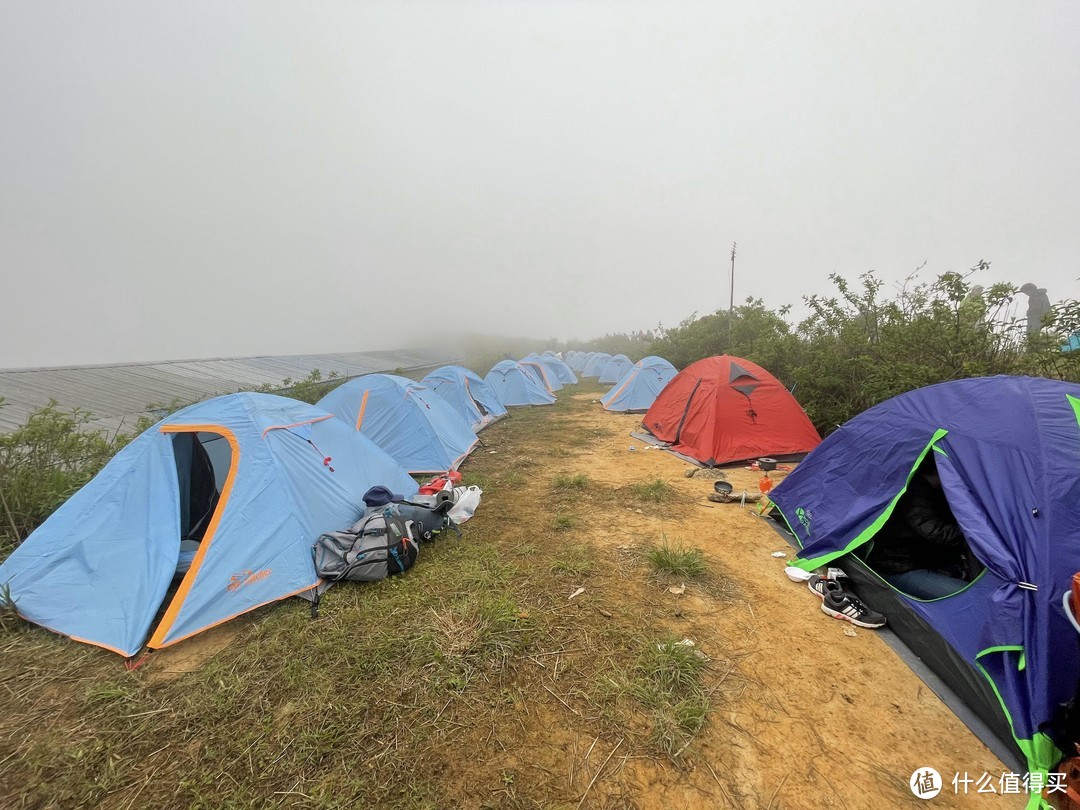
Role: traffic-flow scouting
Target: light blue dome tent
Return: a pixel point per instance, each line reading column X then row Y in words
column 616, row 368
column 408, row 420
column 468, row 394
column 538, row 378
column 249, row 480
column 639, row 387
column 561, row 371
column 514, row 386
column 581, row 362
column 541, row 373
column 596, row 365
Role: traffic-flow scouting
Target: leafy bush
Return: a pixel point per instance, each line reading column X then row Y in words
column 43, row 462
column 859, row 346
column 310, row 389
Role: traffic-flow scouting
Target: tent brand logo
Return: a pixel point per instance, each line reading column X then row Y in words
column 925, row 783
column 804, row 517
column 242, row 578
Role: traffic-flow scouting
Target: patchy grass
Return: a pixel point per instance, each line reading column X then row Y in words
column 656, row 490
column 109, row 693
column 677, row 560
column 512, row 478
column 524, row 462
column 564, row 523
column 668, row 683
column 665, row 683
column 570, row 482
column 574, row 561
column 485, row 481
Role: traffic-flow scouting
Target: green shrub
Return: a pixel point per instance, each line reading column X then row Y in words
column 860, row 345
column 310, row 389
column 43, row 462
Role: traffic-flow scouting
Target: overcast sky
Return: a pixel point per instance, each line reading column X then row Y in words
column 207, row 179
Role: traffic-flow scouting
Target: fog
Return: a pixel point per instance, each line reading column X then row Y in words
column 205, row 179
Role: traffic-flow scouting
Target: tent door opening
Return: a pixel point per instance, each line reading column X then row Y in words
column 202, row 465
column 920, row 550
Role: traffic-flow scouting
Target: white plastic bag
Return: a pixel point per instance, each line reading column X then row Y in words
column 465, row 504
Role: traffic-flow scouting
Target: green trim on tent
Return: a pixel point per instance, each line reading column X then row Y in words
column 1040, row 752
column 1001, row 648
column 1075, row 402
column 788, row 524
column 875, row 527
column 893, row 588
column 1040, row 748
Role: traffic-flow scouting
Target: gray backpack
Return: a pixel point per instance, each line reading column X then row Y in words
column 427, row 512
column 380, row 545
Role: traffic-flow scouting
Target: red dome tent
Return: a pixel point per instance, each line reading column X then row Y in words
column 725, row 409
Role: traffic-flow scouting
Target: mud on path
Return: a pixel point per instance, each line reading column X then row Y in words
column 806, row 715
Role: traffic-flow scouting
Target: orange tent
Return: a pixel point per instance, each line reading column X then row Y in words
column 725, row 409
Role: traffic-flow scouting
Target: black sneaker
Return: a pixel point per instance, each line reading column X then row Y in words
column 841, row 605
column 819, row 586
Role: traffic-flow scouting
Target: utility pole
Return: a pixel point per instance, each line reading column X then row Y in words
column 731, row 301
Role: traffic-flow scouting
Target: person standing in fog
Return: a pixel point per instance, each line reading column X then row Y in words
column 1038, row 306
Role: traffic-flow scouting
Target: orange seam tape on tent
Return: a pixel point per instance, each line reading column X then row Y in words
column 240, row 613
column 616, row 394
column 543, row 376
column 363, row 407
column 297, row 424
column 189, row 578
column 96, row 644
column 91, row 642
column 464, row 455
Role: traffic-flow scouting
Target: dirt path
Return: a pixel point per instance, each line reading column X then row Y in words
column 821, row 718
